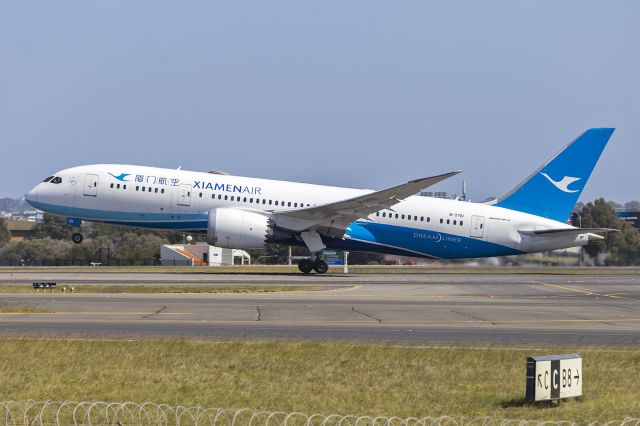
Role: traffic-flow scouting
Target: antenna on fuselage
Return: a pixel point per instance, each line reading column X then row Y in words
column 179, row 167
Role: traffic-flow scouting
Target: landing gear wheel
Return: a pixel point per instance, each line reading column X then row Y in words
column 320, row 266
column 305, row 266
column 77, row 238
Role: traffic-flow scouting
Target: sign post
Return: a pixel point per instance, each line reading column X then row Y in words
column 554, row 377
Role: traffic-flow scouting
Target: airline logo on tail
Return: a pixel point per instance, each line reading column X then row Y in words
column 563, row 184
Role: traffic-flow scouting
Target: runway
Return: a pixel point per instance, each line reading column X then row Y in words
column 487, row 309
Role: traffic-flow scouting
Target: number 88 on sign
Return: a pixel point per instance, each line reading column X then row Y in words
column 553, row 377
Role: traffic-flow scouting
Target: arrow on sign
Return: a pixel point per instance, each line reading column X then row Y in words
column 577, row 376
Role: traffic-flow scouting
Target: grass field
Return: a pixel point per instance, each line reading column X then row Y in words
column 357, row 269
column 159, row 288
column 311, row 377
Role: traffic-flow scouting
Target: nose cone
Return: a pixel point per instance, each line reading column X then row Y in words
column 32, row 196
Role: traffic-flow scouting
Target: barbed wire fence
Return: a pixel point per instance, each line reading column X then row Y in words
column 147, row 413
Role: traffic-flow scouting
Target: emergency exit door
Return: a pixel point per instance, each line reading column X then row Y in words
column 477, row 226
column 91, row 185
column 184, row 195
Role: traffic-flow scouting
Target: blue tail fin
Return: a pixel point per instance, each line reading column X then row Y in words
column 553, row 189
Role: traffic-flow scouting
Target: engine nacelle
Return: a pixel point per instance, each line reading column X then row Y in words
column 237, row 229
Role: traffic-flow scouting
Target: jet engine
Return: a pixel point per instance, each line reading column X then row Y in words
column 238, row 229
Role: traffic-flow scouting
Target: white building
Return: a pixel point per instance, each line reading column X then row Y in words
column 202, row 254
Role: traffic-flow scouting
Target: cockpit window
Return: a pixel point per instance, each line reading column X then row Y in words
column 48, row 179
column 56, row 179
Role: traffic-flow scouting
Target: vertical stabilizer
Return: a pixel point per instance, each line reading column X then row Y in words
column 553, row 189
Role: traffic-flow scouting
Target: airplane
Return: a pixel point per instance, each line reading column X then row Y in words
column 247, row 213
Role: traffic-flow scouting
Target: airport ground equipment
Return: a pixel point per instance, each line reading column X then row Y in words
column 554, row 377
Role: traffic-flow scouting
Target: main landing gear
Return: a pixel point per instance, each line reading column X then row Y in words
column 306, row 265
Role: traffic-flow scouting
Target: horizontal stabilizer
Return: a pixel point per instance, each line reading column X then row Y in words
column 567, row 231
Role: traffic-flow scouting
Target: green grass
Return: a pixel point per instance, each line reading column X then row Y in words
column 154, row 288
column 311, row 377
column 357, row 269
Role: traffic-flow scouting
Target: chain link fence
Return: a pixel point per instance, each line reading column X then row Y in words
column 131, row 413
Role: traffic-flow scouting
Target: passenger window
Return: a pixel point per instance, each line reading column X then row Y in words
column 232, row 198
column 403, row 216
column 269, row 202
column 124, row 186
column 245, row 199
column 156, row 191
column 384, row 214
column 397, row 215
column 200, row 194
column 219, row 196
column 441, row 220
column 295, row 204
column 428, row 219
column 137, row 187
column 264, row 201
column 118, row 186
column 289, row 204
column 460, row 223
column 111, row 186
column 226, row 197
column 276, row 202
column 421, row 218
column 144, row 188
column 448, row 221
column 377, row 213
column 455, row 222
column 250, row 200
column 162, row 191
column 150, row 189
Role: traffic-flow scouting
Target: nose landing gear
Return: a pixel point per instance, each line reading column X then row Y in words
column 77, row 238
column 307, row 265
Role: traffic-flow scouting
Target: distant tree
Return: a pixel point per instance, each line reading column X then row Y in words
column 30, row 251
column 54, row 227
column 5, row 235
column 624, row 246
column 613, row 204
column 632, row 206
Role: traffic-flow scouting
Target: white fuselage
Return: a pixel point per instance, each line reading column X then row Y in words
column 179, row 200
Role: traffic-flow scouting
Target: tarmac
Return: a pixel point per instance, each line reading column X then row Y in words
column 412, row 308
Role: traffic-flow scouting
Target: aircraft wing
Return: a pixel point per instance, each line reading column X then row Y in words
column 334, row 218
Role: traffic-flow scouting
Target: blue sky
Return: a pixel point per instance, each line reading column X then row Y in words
column 351, row 93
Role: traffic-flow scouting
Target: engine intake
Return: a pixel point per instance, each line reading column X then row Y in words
column 237, row 229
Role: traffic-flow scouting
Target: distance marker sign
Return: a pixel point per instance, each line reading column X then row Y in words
column 554, row 377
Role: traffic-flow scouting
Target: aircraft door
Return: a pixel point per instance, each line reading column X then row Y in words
column 184, row 195
column 91, row 185
column 477, row 226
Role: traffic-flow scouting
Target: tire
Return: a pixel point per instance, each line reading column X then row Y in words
column 320, row 266
column 305, row 266
column 77, row 238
